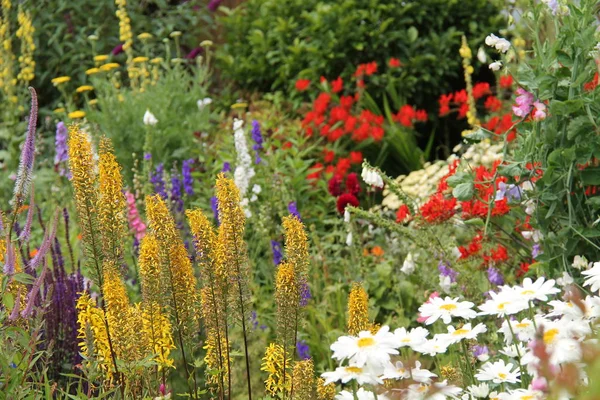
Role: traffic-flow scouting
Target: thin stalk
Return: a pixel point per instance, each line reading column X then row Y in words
column 517, row 348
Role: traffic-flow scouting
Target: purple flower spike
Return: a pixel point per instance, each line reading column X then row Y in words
column 226, row 167
column 214, row 204
column 495, row 277
column 293, row 209
column 214, row 4
column 305, row 294
column 27, row 228
column 303, row 350
column 258, row 139
column 27, row 153
column 277, row 252
column 188, row 181
column 445, row 270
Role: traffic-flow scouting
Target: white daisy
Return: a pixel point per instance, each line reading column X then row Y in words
column 593, row 279
column 434, row 391
column 346, row 374
column 415, row 337
column 479, row 391
column 446, row 309
column 396, row 371
column 361, row 394
column 498, row 372
column 523, row 394
column 437, row 345
column 507, row 302
column 366, row 348
column 514, row 350
column 464, row 332
column 524, row 330
column 421, row 375
column 538, row 290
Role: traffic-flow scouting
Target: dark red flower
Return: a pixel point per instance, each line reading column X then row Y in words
column 302, row 84
column 334, row 185
column 345, row 200
column 117, row 50
column 352, row 184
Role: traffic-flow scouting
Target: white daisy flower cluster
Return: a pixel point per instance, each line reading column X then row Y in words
column 539, row 334
column 243, row 168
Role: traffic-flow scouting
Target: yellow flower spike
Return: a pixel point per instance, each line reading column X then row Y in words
column 140, row 59
column 303, row 379
column 465, row 53
column 358, row 310
column 325, row 392
column 145, row 36
column 84, row 88
column 101, row 57
column 76, row 114
column 111, row 203
column 25, row 33
column 216, row 360
column 273, row 364
column 60, row 80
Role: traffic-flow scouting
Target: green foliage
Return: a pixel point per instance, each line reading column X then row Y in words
column 268, row 46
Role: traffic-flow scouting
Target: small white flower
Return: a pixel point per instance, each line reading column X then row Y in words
column 481, row 56
column 464, row 332
column 527, row 186
column 565, row 279
column 479, row 391
column 524, row 330
column 349, row 239
column 446, row 283
column 530, row 207
column 446, row 309
column 203, row 103
column 346, row 374
column 437, row 345
column 498, row 372
column 346, row 216
column 507, row 302
column 256, row 189
column 361, row 394
column 500, row 44
column 253, row 198
column 408, row 266
column 514, row 350
column 491, row 40
column 416, row 337
column 495, row 66
column 538, row 290
column 580, row 262
column 372, row 177
column 149, row 118
column 593, row 277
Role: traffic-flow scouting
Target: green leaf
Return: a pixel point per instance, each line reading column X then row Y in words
column 413, row 34
column 464, row 191
column 590, row 176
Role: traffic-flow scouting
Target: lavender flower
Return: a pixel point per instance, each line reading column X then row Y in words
column 226, row 167
column 27, row 154
column 277, row 252
column 26, row 233
column 536, row 250
column 188, row 181
column 147, row 156
column 481, row 353
column 45, row 246
column 31, row 297
column 305, row 294
column 258, row 139
column 62, row 152
column 510, row 192
column 495, row 277
column 445, row 270
column 303, row 350
column 158, row 181
column 9, row 264
column 214, row 204
column 255, row 323
column 16, row 307
column 293, row 209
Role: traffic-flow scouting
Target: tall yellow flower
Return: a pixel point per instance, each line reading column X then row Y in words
column 465, row 53
column 325, row 392
column 358, row 310
column 125, row 33
column 150, row 274
column 279, row 380
column 81, row 164
column 7, row 57
column 111, row 203
column 25, row 33
column 303, row 379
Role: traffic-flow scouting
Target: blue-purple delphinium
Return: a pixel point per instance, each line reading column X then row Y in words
column 495, row 276
column 214, row 204
column 277, row 252
column 147, row 156
column 305, row 294
column 510, row 192
column 255, row 323
column 536, row 250
column 479, row 351
column 293, row 209
column 258, row 139
column 226, row 167
column 445, row 270
column 303, row 350
column 176, row 192
column 158, row 181
column 188, row 181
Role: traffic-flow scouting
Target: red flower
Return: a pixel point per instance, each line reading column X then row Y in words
column 302, row 84
column 371, row 68
column 346, row 101
column 337, row 85
column 352, row 184
column 460, row 96
column 315, row 171
column 377, row 133
column 402, row 213
column 356, row 157
column 334, row 186
column 506, row 81
column 323, row 79
column 394, row 63
column 335, row 135
column 328, row 156
column 463, row 110
column 405, row 116
column 438, row 209
column 481, row 89
column 523, row 269
column 321, row 103
column 444, row 101
column 421, row 115
column 493, row 104
column 591, row 85
column 350, row 124
column 346, row 199
column 342, row 166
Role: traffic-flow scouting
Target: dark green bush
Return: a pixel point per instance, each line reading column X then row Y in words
column 270, row 43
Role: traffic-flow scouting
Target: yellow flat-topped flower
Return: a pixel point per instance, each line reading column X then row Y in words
column 145, row 36
column 84, row 88
column 175, row 34
column 92, row 71
column 93, row 102
column 239, row 105
column 109, row 66
column 59, row 110
column 101, row 57
column 60, row 80
column 76, row 114
column 140, row 59
column 157, row 60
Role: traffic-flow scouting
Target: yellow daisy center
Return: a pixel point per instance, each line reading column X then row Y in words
column 502, row 375
column 448, row 307
column 522, row 325
column 502, row 305
column 549, row 335
column 527, row 292
column 354, row 370
column 460, row 332
column 366, row 342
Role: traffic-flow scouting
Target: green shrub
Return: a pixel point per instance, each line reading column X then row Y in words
column 269, row 45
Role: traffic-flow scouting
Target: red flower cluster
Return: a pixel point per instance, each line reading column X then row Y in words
column 366, row 69
column 408, row 115
column 472, row 248
column 506, row 82
column 438, row 209
column 394, row 63
column 402, row 214
column 478, row 207
column 501, row 125
column 591, row 85
column 302, row 84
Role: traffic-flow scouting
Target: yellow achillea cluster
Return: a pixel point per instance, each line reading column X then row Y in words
column 25, row 33
column 278, row 381
column 92, row 335
column 466, row 54
column 358, row 311
column 111, row 203
column 325, row 392
column 303, row 379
